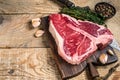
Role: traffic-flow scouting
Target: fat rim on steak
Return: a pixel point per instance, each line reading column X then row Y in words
column 77, row 40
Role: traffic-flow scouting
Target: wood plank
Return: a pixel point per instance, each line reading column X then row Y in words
column 18, row 39
column 43, row 6
column 28, row 64
column 15, row 31
column 28, row 6
column 102, row 71
column 92, row 3
column 38, row 63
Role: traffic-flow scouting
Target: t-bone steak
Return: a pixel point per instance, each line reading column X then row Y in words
column 76, row 40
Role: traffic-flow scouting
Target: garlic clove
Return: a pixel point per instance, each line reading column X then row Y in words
column 36, row 22
column 109, row 51
column 103, row 58
column 39, row 33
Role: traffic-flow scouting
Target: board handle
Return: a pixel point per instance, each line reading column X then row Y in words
column 67, row 3
column 93, row 71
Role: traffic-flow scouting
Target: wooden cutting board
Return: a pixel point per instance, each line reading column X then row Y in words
column 67, row 70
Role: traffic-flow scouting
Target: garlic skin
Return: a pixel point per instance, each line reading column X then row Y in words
column 39, row 33
column 103, row 58
column 109, row 51
column 36, row 22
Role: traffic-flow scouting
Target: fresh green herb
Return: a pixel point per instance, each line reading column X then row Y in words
column 84, row 14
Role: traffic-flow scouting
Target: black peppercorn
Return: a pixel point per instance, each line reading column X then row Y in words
column 105, row 9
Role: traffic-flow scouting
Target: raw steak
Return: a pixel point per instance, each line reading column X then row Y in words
column 77, row 40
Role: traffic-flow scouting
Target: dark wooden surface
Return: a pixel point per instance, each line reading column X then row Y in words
column 68, row 70
column 30, row 57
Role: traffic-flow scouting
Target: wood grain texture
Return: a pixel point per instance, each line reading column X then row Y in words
column 28, row 6
column 38, row 63
column 28, row 64
column 16, row 31
column 43, row 6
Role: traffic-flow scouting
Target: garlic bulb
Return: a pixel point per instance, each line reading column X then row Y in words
column 36, row 22
column 109, row 51
column 39, row 33
column 103, row 58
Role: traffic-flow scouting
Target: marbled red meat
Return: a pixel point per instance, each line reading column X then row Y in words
column 77, row 40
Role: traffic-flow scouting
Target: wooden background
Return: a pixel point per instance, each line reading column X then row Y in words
column 24, row 57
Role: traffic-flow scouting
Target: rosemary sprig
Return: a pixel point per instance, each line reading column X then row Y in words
column 84, row 14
